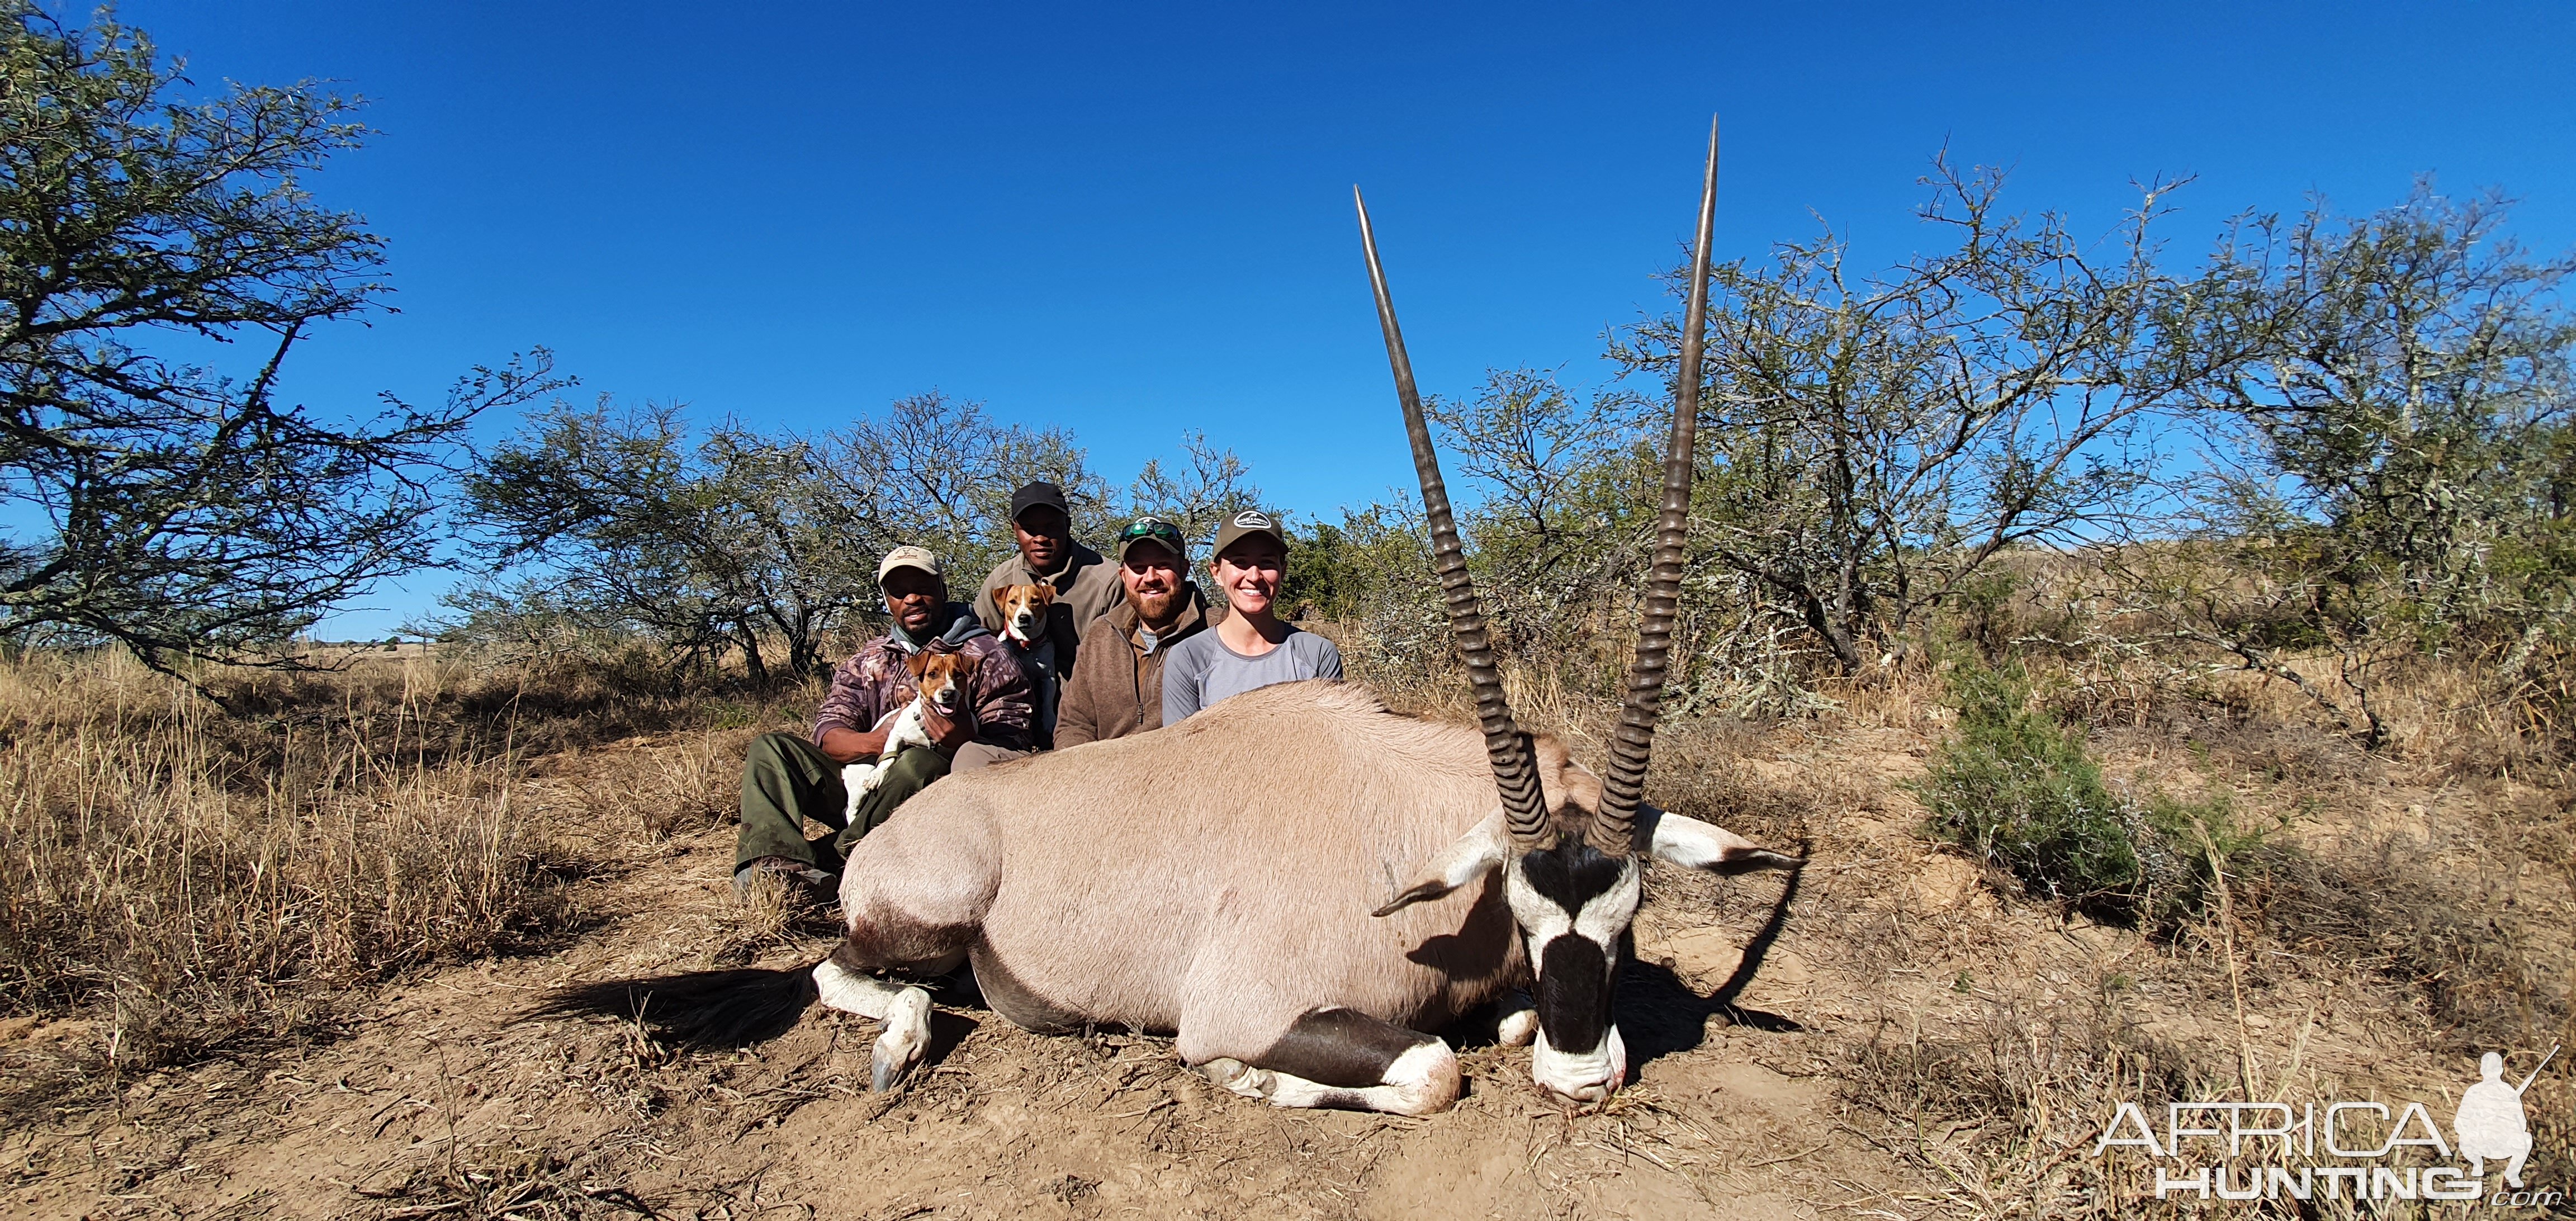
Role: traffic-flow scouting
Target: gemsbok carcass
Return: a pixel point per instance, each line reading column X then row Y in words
column 1298, row 884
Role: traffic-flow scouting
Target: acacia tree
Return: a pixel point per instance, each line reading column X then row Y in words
column 938, row 472
column 1561, row 508
column 157, row 502
column 1196, row 494
column 590, row 508
column 612, row 523
column 801, row 556
column 615, row 522
column 2388, row 449
column 1872, row 442
column 2408, row 368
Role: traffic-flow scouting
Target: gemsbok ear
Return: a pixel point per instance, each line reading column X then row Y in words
column 1469, row 857
column 1698, row 845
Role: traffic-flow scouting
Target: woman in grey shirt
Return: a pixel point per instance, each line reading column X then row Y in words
column 1251, row 647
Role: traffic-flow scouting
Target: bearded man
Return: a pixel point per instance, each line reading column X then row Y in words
column 1116, row 687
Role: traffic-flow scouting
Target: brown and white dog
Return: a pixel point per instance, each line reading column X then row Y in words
column 1024, row 613
column 1024, row 627
column 940, row 680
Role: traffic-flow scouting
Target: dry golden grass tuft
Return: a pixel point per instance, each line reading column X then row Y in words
column 769, row 918
column 658, row 788
column 2411, row 911
column 2410, row 908
column 152, row 875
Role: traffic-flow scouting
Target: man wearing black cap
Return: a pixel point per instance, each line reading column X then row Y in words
column 1085, row 588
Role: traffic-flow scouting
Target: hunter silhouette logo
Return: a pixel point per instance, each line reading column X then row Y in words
column 2490, row 1123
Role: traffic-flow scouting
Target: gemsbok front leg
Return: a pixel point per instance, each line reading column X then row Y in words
column 1342, row 1058
column 904, row 1008
column 913, row 898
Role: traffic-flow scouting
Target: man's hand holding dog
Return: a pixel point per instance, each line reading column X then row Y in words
column 846, row 746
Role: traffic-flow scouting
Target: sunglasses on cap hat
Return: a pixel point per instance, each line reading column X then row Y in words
column 1151, row 527
column 1154, row 530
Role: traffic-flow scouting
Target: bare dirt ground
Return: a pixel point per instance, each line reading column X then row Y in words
column 1881, row 1036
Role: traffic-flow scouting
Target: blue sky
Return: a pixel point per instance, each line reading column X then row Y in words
column 1135, row 220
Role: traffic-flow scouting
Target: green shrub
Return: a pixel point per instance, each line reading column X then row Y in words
column 2022, row 793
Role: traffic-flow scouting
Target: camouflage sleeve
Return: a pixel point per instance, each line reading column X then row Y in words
column 1004, row 702
column 851, row 704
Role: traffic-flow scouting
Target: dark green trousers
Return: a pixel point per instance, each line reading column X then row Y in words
column 786, row 780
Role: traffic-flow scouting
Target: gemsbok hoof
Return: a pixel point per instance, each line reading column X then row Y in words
column 884, row 1074
column 905, row 1041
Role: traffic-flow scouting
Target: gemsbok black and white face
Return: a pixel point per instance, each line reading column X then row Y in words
column 1574, row 904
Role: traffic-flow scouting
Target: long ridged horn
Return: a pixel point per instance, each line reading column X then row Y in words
column 1515, row 765
column 1614, row 828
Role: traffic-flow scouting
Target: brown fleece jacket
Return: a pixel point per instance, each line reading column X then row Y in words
column 1116, row 687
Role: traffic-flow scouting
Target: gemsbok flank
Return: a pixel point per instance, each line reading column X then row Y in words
column 1296, row 883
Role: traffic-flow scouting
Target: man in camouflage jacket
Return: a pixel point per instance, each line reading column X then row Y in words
column 787, row 779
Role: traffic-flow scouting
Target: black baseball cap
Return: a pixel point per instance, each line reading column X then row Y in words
column 1035, row 493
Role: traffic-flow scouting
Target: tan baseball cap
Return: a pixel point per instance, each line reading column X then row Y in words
column 909, row 557
column 1243, row 525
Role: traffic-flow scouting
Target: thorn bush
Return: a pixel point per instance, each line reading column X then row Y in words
column 2023, row 793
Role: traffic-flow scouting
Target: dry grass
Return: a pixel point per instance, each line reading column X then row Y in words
column 150, row 876
column 2405, row 920
column 770, row 918
column 2004, row 1106
column 660, row 788
column 2413, row 911
column 181, row 878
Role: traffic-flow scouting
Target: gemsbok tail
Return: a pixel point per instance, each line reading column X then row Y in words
column 697, row 1008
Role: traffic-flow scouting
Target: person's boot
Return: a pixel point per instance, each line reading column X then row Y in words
column 806, row 883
